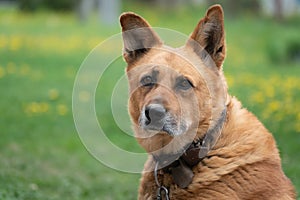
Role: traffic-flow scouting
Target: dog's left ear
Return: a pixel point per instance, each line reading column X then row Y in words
column 138, row 36
column 209, row 33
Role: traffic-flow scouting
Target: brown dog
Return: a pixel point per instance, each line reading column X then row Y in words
column 202, row 144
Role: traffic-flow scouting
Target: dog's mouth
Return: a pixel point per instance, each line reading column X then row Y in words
column 155, row 118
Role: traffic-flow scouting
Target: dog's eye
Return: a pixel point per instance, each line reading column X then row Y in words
column 184, row 84
column 147, row 81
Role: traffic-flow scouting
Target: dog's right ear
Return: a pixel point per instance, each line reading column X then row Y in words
column 138, row 36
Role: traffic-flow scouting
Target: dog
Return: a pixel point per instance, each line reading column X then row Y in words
column 202, row 143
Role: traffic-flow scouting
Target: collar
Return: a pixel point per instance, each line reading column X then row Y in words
column 181, row 169
column 199, row 149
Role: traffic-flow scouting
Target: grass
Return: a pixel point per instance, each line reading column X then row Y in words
column 41, row 154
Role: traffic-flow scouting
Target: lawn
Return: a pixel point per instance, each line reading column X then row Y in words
column 42, row 156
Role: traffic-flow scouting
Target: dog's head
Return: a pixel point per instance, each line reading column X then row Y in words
column 176, row 94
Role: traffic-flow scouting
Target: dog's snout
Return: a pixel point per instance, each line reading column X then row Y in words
column 155, row 113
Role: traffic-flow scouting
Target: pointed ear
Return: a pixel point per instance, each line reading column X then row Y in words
column 209, row 33
column 138, row 36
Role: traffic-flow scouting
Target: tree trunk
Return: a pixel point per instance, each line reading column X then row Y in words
column 278, row 10
column 84, row 8
column 109, row 11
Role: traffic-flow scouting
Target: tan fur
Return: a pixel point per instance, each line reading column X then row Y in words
column 244, row 163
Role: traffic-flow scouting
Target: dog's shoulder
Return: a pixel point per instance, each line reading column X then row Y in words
column 245, row 161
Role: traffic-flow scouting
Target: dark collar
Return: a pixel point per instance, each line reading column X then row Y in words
column 181, row 169
column 200, row 148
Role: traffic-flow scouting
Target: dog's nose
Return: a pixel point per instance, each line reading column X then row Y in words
column 154, row 114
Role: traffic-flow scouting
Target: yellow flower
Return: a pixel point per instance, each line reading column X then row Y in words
column 62, row 109
column 290, row 83
column 274, row 106
column 15, row 43
column 298, row 117
column 297, row 127
column 34, row 108
column 53, row 94
column 229, row 80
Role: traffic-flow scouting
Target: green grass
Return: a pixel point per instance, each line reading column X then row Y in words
column 41, row 154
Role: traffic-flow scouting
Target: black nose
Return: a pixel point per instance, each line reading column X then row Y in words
column 154, row 114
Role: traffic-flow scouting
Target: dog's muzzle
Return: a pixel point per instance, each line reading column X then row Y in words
column 155, row 117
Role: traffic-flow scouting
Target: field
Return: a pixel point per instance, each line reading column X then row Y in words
column 42, row 156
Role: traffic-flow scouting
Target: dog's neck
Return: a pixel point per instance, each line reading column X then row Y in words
column 212, row 135
column 181, row 168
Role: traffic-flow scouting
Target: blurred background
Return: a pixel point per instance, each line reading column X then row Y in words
column 44, row 42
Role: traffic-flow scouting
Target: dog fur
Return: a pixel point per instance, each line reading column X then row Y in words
column 244, row 162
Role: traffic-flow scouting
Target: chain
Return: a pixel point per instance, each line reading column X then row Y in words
column 162, row 190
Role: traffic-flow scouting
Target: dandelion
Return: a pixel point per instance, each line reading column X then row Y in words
column 298, row 117
column 229, row 80
column 15, row 43
column 274, row 106
column 31, row 108
column 53, row 94
column 62, row 109
column 290, row 83
column 34, row 108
